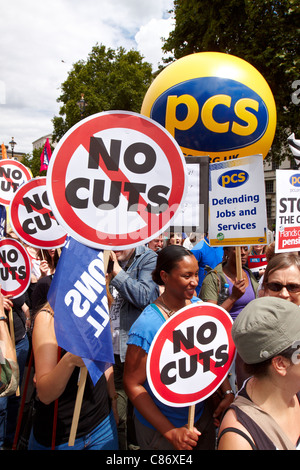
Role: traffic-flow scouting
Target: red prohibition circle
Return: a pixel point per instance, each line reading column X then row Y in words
column 23, row 283
column 16, row 202
column 80, row 135
column 161, row 390
column 13, row 163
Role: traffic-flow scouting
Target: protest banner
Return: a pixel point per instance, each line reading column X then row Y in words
column 192, row 215
column 116, row 180
column 15, row 268
column 80, row 306
column 45, row 156
column 287, row 236
column 191, row 355
column 12, row 175
column 3, row 216
column 257, row 263
column 31, row 216
column 237, row 207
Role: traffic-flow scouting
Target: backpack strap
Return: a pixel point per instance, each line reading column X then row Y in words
column 218, row 278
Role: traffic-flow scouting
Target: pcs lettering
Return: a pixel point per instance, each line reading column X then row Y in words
column 212, row 115
column 109, row 161
column 243, row 109
column 233, row 178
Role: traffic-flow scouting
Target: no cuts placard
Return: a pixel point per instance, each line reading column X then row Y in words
column 191, row 355
column 116, row 180
column 31, row 216
column 15, row 269
column 12, row 175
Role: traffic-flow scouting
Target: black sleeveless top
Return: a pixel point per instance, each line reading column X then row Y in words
column 95, row 408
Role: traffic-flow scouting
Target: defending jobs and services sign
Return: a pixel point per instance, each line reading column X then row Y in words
column 237, row 207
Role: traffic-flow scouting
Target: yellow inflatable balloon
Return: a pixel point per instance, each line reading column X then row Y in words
column 214, row 104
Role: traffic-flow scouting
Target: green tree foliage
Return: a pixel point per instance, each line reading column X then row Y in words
column 265, row 33
column 109, row 79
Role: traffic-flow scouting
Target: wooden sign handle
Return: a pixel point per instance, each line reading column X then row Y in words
column 82, row 381
column 78, row 403
column 191, row 417
column 12, row 334
column 238, row 260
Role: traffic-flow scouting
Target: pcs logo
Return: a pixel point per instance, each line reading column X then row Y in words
column 213, row 104
column 233, row 178
column 220, row 115
column 295, row 180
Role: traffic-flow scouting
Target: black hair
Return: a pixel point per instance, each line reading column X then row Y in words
column 167, row 259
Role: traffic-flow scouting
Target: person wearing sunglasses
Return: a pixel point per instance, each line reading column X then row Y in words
column 282, row 277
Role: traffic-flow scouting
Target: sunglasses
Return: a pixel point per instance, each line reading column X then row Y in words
column 277, row 287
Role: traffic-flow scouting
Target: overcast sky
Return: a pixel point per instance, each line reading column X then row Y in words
column 40, row 40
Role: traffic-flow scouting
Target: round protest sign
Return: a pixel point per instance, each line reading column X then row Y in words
column 15, row 269
column 116, row 180
column 31, row 216
column 191, row 355
column 12, row 175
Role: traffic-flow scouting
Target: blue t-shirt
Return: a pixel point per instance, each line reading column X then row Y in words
column 142, row 334
column 206, row 255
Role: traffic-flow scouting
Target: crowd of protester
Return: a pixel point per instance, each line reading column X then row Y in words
column 255, row 407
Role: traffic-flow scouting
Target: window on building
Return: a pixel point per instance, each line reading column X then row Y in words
column 269, row 208
column 269, row 186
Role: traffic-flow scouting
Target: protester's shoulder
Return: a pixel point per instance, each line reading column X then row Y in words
column 145, row 253
column 219, row 268
column 254, row 281
column 213, row 271
column 198, row 246
column 148, row 322
column 196, row 300
column 45, row 280
column 147, row 313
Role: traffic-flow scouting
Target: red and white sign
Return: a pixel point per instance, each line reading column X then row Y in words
column 287, row 236
column 31, row 216
column 116, row 180
column 257, row 262
column 191, row 355
column 12, row 175
column 15, row 268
